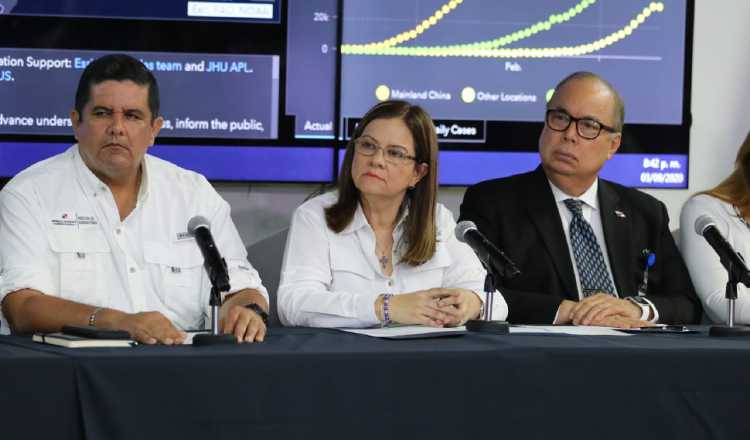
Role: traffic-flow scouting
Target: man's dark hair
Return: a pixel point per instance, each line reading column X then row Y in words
column 116, row 67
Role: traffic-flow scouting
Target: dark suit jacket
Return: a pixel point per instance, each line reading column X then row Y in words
column 519, row 215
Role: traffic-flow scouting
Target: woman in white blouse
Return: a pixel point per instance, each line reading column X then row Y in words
column 380, row 249
column 728, row 205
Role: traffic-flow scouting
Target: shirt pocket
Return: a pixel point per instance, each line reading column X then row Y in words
column 431, row 273
column 350, row 271
column 177, row 272
column 82, row 258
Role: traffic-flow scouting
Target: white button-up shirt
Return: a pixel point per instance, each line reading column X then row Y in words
column 331, row 279
column 61, row 235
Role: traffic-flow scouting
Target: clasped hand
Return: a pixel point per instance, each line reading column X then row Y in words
column 603, row 310
column 438, row 307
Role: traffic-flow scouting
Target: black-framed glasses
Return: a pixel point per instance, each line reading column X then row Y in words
column 392, row 154
column 587, row 128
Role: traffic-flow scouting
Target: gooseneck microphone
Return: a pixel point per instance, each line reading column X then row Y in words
column 493, row 258
column 200, row 228
column 730, row 258
column 736, row 270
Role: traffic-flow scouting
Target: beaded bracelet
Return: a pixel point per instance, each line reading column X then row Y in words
column 387, row 308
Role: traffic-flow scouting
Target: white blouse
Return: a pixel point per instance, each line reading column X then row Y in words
column 706, row 271
column 331, row 279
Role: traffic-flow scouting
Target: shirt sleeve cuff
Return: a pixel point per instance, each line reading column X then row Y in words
column 655, row 319
column 365, row 308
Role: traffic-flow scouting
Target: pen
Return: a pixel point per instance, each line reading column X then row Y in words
column 666, row 327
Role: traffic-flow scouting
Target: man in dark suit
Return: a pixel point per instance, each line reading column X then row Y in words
column 582, row 242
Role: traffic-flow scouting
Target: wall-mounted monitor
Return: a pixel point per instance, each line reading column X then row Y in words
column 260, row 90
column 248, row 88
column 485, row 70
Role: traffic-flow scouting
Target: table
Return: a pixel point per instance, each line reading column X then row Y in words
column 38, row 397
column 310, row 383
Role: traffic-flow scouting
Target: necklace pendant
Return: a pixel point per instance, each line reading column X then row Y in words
column 383, row 262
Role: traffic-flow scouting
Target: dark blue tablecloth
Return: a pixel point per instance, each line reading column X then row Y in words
column 38, row 396
column 305, row 383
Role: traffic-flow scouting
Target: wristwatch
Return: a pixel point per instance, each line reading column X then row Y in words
column 259, row 311
column 643, row 304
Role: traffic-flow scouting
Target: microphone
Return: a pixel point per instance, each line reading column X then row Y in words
column 731, row 259
column 200, row 228
column 491, row 257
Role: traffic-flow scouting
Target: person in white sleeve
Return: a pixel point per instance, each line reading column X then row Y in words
column 728, row 204
column 380, row 249
column 97, row 235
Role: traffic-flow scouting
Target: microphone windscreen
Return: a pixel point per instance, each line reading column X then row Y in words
column 196, row 222
column 462, row 228
column 702, row 222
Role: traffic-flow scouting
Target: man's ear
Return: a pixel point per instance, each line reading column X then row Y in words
column 75, row 119
column 156, row 126
column 614, row 144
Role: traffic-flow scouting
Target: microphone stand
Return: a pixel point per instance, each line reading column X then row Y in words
column 735, row 277
column 485, row 324
column 214, row 338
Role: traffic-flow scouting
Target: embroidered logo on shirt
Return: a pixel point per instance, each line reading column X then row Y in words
column 72, row 219
column 65, row 219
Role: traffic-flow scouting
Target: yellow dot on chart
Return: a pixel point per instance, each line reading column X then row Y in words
column 549, row 94
column 468, row 94
column 433, row 21
column 660, row 7
column 382, row 92
column 445, row 9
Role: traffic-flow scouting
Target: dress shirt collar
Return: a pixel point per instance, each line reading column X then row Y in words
column 360, row 221
column 93, row 185
column 589, row 197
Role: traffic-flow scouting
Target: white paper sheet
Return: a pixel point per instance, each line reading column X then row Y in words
column 406, row 331
column 581, row 330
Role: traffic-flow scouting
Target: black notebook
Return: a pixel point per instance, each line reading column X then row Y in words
column 86, row 337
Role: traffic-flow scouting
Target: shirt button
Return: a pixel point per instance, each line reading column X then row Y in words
column 132, row 270
column 390, row 283
column 118, row 231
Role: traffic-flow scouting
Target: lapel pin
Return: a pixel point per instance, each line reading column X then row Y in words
column 620, row 214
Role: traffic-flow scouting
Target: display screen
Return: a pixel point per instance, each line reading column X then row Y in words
column 241, row 100
column 485, row 70
column 271, row 90
column 203, row 95
column 244, row 10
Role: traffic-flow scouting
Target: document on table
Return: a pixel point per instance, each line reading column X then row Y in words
column 581, row 330
column 407, row 331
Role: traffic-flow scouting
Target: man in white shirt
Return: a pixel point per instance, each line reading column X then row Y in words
column 583, row 243
column 97, row 235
